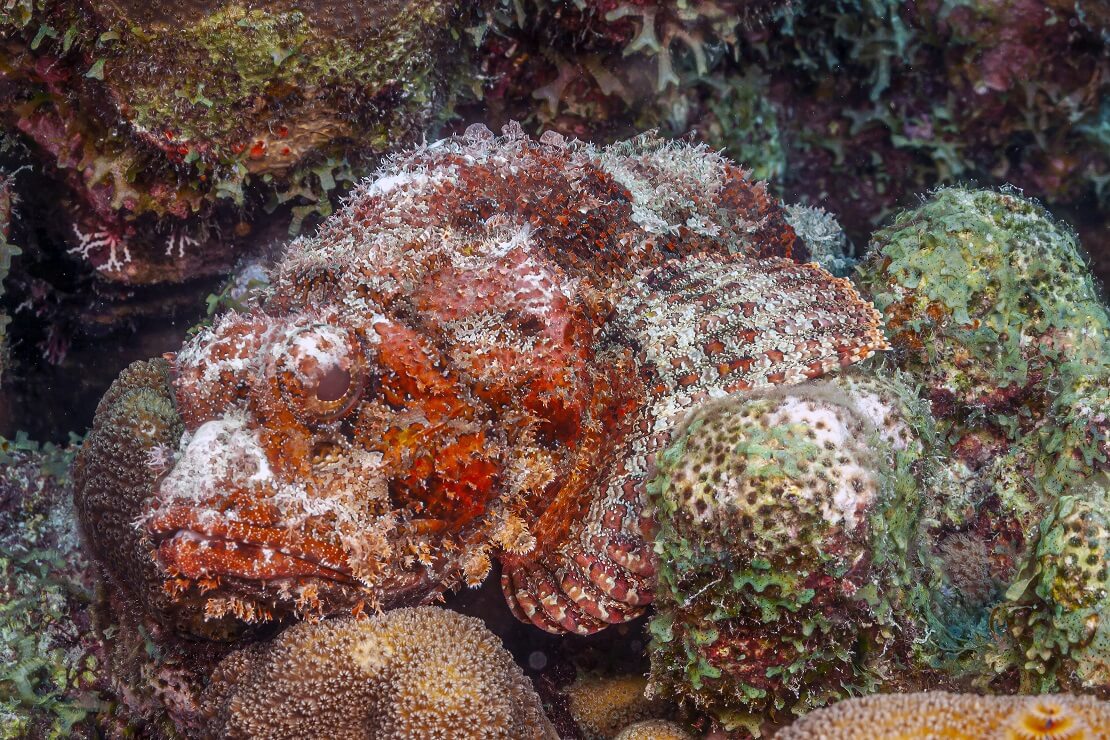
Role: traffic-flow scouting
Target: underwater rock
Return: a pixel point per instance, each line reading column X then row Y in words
column 475, row 359
column 940, row 714
column 423, row 672
column 1055, row 619
column 786, row 527
column 168, row 127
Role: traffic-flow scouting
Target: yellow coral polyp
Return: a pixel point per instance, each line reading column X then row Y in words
column 938, row 714
column 1049, row 719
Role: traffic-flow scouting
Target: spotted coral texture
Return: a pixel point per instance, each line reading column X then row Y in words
column 602, row 705
column 654, row 729
column 990, row 302
column 956, row 716
column 784, row 522
column 475, row 360
column 408, row 673
column 1055, row 619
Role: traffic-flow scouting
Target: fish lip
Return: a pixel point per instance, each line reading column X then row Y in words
column 180, row 525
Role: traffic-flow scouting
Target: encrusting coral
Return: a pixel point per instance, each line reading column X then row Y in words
column 168, row 129
column 423, row 672
column 989, row 301
column 989, row 304
column 477, row 358
column 786, row 527
column 602, row 705
column 956, row 716
column 1055, row 619
column 654, row 729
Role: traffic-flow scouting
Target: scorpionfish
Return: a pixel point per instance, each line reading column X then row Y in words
column 475, row 361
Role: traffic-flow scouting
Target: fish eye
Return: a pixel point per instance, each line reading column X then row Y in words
column 320, row 370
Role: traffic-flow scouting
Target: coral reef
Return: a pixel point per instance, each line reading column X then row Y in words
column 939, row 714
column 166, row 128
column 1055, row 631
column 989, row 303
column 786, row 529
column 854, row 104
column 51, row 677
column 423, row 672
column 654, row 729
column 602, row 705
column 476, row 358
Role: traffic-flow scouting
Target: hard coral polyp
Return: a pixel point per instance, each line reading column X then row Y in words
column 410, row 673
column 785, row 523
column 478, row 358
column 940, row 714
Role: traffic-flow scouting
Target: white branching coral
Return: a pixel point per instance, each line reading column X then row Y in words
column 94, row 242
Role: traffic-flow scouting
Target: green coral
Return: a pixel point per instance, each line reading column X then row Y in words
column 1055, row 619
column 983, row 290
column 236, row 55
column 49, row 680
column 786, row 524
column 989, row 302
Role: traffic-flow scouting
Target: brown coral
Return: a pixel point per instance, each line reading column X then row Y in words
column 940, row 714
column 654, row 729
column 603, row 705
column 409, row 673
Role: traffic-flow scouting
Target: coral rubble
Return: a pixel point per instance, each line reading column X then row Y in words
column 423, row 672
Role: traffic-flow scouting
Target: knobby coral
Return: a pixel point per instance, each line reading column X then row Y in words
column 962, row 716
column 423, row 672
column 602, row 705
column 654, row 729
column 786, row 522
column 1055, row 618
column 477, row 358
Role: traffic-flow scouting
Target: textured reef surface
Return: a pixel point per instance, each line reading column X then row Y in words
column 789, row 417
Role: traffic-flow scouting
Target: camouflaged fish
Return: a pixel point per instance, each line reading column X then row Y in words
column 476, row 361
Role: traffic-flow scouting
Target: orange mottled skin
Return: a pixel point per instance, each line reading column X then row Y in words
column 475, row 360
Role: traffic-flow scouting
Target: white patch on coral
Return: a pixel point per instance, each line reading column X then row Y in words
column 831, row 425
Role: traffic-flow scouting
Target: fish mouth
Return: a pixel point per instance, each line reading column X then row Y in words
column 205, row 545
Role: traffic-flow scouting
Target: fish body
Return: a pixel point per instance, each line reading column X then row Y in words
column 476, row 360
